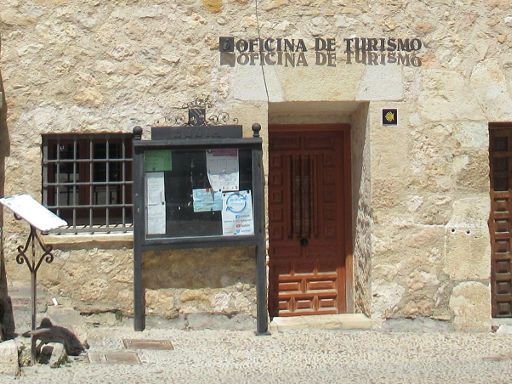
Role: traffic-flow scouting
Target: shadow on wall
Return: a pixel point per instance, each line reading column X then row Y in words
column 199, row 268
column 6, row 315
column 361, row 208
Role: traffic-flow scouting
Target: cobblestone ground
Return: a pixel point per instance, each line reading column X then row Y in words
column 311, row 356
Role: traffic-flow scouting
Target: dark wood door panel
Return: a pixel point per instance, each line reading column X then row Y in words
column 500, row 159
column 305, row 287
column 306, row 223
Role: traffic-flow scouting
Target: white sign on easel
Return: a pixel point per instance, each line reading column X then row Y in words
column 25, row 207
column 34, row 213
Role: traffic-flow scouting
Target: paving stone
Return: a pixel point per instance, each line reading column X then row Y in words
column 504, row 329
column 341, row 321
column 502, row 357
column 218, row 321
column 65, row 316
column 147, row 344
column 9, row 358
column 113, row 357
column 53, row 354
column 160, row 322
column 304, row 355
column 68, row 318
column 420, row 324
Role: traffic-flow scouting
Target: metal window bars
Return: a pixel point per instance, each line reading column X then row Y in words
column 87, row 181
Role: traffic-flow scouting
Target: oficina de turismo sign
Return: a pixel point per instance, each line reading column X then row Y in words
column 321, row 51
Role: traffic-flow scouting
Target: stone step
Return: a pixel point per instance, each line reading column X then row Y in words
column 21, row 301
column 24, row 291
column 340, row 321
column 26, row 301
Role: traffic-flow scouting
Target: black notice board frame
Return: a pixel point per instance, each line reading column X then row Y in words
column 142, row 243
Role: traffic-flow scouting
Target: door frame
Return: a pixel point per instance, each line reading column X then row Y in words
column 347, row 173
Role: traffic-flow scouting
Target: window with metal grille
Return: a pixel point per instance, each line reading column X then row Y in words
column 87, row 181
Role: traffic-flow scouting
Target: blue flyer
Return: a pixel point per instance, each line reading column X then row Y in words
column 207, row 200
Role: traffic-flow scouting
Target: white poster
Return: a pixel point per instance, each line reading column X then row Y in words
column 222, row 169
column 237, row 213
column 155, row 203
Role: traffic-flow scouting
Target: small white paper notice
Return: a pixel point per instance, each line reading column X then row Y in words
column 155, row 203
column 222, row 169
column 27, row 208
column 237, row 213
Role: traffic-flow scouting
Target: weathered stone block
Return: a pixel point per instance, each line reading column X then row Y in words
column 408, row 260
column 381, row 83
column 435, row 209
column 472, row 134
column 471, row 171
column 490, row 86
column 9, row 358
column 469, row 212
column 273, row 4
column 387, row 193
column 471, row 302
column 446, row 96
column 249, row 85
column 468, row 252
column 390, row 150
column 161, row 302
column 386, row 296
column 301, row 83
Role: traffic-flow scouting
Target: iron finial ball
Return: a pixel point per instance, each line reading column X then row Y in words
column 256, row 128
column 137, row 133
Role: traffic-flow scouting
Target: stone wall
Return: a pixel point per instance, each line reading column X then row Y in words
column 6, row 315
column 361, row 209
column 72, row 66
column 220, row 281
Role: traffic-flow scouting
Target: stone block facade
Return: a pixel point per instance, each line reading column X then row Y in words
column 420, row 189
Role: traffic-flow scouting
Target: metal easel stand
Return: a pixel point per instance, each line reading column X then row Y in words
column 33, row 265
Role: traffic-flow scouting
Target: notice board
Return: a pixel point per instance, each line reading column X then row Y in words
column 198, row 187
column 198, row 192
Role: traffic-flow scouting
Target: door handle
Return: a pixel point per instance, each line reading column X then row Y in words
column 304, row 241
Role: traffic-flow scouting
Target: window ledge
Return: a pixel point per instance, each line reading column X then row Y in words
column 100, row 240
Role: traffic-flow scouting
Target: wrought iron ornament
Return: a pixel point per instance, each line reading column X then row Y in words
column 22, row 252
column 197, row 115
column 33, row 265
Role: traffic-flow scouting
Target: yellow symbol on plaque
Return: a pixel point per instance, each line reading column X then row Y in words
column 390, row 116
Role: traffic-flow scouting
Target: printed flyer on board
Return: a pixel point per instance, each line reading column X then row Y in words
column 237, row 213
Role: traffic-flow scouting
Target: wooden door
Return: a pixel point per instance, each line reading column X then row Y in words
column 500, row 221
column 309, row 208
